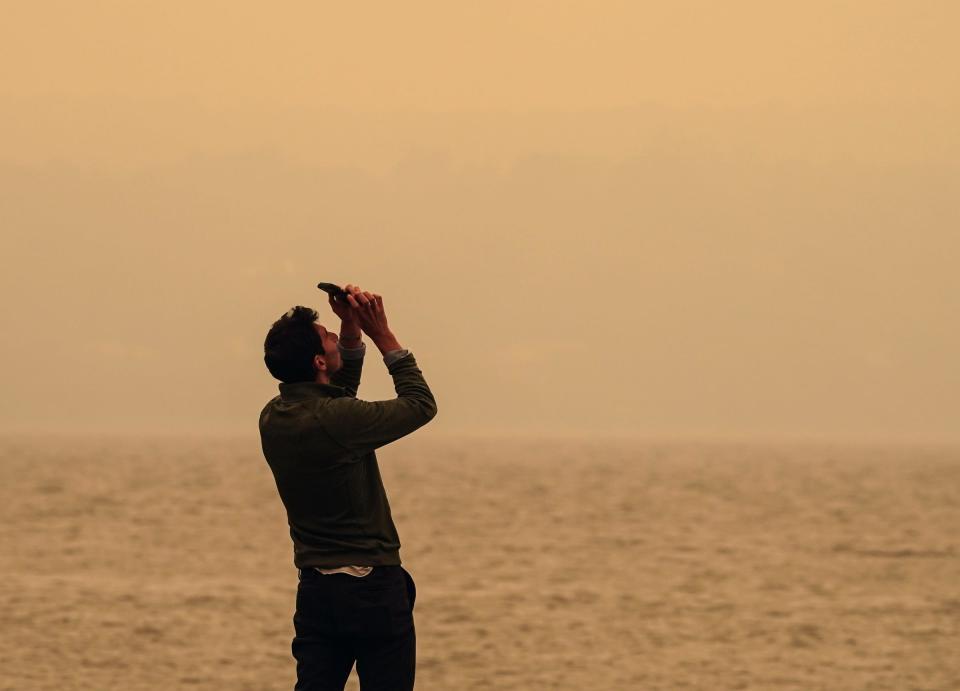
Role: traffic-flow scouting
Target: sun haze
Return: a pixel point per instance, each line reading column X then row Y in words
column 709, row 219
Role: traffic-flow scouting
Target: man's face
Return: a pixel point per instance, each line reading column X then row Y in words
column 332, row 353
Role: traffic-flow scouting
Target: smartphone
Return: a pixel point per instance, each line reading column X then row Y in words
column 334, row 290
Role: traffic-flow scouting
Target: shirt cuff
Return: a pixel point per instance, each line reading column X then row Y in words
column 352, row 353
column 393, row 355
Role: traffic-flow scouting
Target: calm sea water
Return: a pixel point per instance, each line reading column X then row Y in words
column 166, row 563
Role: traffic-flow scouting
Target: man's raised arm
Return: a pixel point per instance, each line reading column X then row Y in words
column 352, row 350
column 365, row 425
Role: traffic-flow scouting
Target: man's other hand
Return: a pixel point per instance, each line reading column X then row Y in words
column 368, row 311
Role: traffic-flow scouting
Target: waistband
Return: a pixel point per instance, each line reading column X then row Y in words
column 311, row 572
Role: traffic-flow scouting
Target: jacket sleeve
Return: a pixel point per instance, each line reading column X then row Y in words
column 366, row 425
column 348, row 376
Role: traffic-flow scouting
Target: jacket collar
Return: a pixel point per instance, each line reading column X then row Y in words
column 302, row 390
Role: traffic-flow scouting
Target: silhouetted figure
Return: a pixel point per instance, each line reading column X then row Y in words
column 354, row 599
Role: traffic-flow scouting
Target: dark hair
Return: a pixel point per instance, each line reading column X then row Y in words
column 291, row 345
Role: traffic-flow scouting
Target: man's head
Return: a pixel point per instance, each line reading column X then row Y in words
column 299, row 349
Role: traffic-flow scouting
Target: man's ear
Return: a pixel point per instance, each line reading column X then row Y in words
column 319, row 364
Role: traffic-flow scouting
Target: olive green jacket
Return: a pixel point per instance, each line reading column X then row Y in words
column 320, row 440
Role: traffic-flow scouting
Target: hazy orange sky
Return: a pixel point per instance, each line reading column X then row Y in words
column 686, row 219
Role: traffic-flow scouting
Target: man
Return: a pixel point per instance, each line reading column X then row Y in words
column 354, row 599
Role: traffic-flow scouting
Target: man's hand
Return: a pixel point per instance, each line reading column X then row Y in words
column 369, row 313
column 342, row 308
column 350, row 334
column 363, row 311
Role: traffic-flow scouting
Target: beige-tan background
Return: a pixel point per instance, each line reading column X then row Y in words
column 692, row 218
column 682, row 277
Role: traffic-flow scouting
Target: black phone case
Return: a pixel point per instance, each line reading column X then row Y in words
column 333, row 289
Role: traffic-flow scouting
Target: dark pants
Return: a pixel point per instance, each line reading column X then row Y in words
column 342, row 619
